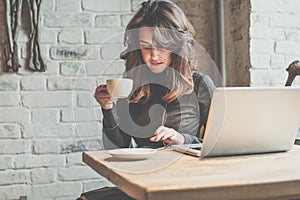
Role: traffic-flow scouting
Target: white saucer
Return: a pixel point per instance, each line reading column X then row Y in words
column 132, row 153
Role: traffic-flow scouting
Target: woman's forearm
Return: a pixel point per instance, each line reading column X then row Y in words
column 113, row 137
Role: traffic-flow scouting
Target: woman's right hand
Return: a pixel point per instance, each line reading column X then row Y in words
column 103, row 97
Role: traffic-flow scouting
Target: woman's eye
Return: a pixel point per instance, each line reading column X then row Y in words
column 146, row 47
column 160, row 47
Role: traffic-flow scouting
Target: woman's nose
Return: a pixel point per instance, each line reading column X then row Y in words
column 154, row 54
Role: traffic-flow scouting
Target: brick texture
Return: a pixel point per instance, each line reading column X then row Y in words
column 48, row 118
column 274, row 40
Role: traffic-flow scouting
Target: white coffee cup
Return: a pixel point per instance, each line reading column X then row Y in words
column 119, row 87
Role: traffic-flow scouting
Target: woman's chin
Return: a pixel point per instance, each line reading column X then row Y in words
column 157, row 70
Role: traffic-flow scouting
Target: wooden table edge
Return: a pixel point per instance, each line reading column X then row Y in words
column 124, row 184
column 269, row 190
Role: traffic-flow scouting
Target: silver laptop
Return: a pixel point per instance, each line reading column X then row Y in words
column 191, row 149
column 247, row 120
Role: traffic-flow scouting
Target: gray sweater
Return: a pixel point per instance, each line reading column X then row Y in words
column 138, row 121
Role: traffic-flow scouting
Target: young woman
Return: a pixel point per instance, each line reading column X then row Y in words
column 159, row 49
column 169, row 103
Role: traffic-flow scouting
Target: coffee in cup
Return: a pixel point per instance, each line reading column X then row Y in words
column 119, row 87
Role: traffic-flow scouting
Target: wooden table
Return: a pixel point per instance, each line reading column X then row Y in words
column 169, row 175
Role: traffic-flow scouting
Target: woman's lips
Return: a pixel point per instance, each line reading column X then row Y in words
column 156, row 63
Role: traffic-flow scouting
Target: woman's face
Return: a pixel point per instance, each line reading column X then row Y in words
column 155, row 58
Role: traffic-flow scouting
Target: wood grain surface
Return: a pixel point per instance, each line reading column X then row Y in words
column 170, row 175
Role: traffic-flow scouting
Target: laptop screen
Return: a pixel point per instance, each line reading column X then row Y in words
column 246, row 120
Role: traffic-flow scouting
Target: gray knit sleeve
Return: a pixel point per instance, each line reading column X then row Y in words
column 204, row 88
column 113, row 136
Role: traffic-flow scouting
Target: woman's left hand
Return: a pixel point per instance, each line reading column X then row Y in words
column 167, row 135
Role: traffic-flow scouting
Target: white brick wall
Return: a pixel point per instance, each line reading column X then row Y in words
column 10, row 131
column 16, row 114
column 71, row 36
column 36, row 83
column 54, row 190
column 14, row 177
column 43, row 175
column 68, row 5
column 274, row 40
column 48, row 118
column 46, row 146
column 6, row 162
column 15, row 191
column 13, row 146
column 9, row 99
column 9, row 82
column 106, row 5
column 75, row 173
column 72, row 69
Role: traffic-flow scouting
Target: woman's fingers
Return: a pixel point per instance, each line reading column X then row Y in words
column 158, row 134
column 101, row 88
column 167, row 135
column 103, row 97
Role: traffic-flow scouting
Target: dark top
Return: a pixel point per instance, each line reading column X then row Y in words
column 140, row 120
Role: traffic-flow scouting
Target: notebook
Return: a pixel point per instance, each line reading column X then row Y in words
column 247, row 120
